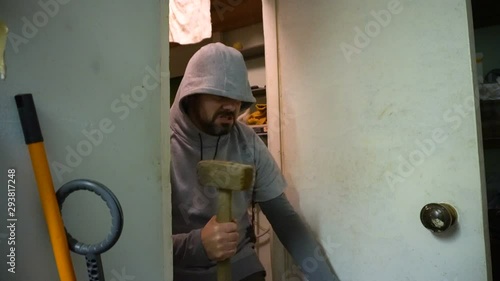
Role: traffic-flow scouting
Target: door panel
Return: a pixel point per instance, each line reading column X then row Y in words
column 379, row 116
column 94, row 72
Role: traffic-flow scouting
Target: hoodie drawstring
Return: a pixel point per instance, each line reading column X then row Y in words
column 216, row 147
column 201, row 147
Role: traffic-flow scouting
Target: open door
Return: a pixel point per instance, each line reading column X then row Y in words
column 378, row 117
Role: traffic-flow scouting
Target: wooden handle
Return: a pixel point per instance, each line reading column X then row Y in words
column 224, row 270
column 224, row 214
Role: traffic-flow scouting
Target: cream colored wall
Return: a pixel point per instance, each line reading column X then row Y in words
column 256, row 72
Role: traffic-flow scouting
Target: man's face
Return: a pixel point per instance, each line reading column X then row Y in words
column 214, row 115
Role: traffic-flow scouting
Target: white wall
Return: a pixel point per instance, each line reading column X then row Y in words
column 84, row 59
column 257, row 72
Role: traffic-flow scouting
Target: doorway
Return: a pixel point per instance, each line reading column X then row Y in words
column 238, row 24
column 486, row 16
column 278, row 256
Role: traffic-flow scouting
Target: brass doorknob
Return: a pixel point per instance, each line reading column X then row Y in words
column 438, row 217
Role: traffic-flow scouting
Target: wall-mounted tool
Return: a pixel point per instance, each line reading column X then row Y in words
column 34, row 139
column 93, row 252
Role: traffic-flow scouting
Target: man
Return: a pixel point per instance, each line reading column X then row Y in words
column 204, row 125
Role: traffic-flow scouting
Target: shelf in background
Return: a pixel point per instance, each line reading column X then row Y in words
column 490, row 123
column 260, row 130
column 259, row 92
column 253, row 52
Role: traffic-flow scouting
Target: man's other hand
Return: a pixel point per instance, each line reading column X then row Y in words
column 220, row 239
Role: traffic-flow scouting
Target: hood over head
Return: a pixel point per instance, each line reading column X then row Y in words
column 218, row 70
column 214, row 69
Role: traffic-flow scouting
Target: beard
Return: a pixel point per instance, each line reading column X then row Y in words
column 215, row 128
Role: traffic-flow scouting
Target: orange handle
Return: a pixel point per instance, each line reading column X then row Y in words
column 51, row 211
column 34, row 139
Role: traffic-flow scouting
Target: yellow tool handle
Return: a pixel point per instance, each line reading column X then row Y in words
column 34, row 139
column 51, row 212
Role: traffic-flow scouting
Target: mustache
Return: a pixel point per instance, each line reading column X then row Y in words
column 225, row 113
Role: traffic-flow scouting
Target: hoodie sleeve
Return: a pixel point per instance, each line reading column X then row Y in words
column 188, row 249
column 297, row 239
column 269, row 181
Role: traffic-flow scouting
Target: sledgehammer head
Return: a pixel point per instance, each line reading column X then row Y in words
column 225, row 175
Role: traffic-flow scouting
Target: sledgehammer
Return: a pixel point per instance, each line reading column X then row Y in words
column 226, row 177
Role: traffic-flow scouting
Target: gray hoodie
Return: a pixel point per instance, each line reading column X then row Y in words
column 219, row 70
